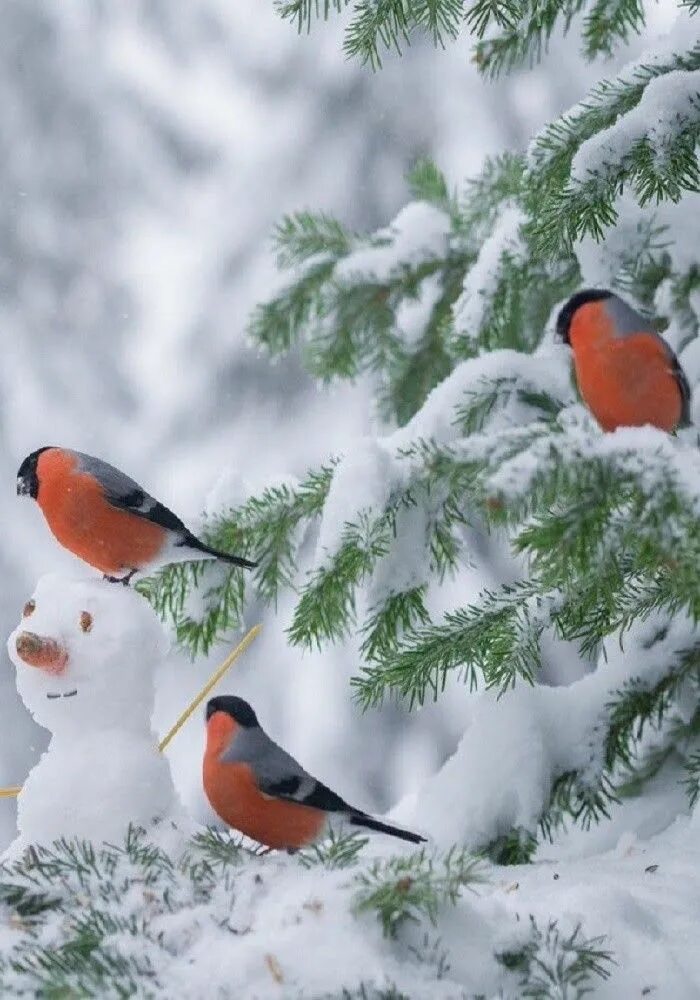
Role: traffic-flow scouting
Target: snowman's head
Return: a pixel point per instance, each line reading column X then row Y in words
column 85, row 652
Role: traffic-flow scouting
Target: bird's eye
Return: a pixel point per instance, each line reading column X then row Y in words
column 85, row 621
column 28, row 608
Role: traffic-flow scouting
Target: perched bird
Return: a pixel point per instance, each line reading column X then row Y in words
column 258, row 789
column 627, row 374
column 105, row 518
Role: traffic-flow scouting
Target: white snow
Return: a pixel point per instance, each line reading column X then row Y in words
column 669, row 104
column 419, row 233
column 377, row 469
column 102, row 769
column 481, row 278
column 361, row 485
column 680, row 39
column 500, row 775
column 270, row 928
column 413, row 314
column 645, row 453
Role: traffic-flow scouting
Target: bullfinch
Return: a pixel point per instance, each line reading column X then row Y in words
column 105, row 518
column 255, row 787
column 626, row 373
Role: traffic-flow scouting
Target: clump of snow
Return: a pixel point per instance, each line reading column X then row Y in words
column 413, row 314
column 102, row 769
column 361, row 485
column 436, row 419
column 668, row 105
column 501, row 774
column 680, row 39
column 419, row 233
column 480, row 280
column 649, row 455
column 377, row 469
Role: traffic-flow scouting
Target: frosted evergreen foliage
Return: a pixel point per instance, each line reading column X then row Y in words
column 450, row 310
column 128, row 919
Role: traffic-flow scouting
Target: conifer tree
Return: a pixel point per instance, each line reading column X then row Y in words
column 451, row 309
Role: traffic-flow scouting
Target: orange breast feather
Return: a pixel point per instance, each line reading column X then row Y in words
column 82, row 520
column 626, row 382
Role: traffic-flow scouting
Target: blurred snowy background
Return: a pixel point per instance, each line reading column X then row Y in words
column 147, row 151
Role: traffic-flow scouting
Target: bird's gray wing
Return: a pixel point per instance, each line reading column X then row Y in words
column 126, row 494
column 683, row 385
column 629, row 322
column 277, row 773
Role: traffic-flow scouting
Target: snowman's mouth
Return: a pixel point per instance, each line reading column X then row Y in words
column 66, row 694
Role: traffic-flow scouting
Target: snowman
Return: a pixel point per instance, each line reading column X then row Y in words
column 85, row 653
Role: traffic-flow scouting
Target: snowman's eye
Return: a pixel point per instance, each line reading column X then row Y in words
column 85, row 621
column 28, row 608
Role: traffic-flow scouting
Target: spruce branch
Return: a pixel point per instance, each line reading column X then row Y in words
column 415, row 886
column 557, row 966
column 302, row 11
column 386, row 622
column 503, row 13
column 638, row 705
column 268, row 527
column 337, row 851
column 655, row 167
column 378, row 25
column 278, row 323
column 692, row 781
column 218, row 849
column 327, row 606
column 497, row 638
column 528, row 39
column 305, row 235
column 427, row 183
column 517, row 847
column 608, row 23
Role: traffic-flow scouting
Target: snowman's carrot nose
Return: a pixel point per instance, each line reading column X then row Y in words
column 40, row 651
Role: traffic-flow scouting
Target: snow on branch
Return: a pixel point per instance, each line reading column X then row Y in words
column 538, row 775
column 553, row 963
column 637, row 132
column 96, row 919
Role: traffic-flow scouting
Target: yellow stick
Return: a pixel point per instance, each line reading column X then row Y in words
column 14, row 790
column 212, row 682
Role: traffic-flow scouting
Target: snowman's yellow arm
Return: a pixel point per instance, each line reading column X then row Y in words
column 10, row 793
column 212, row 682
column 13, row 790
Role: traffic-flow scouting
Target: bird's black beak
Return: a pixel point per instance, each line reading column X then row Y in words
column 23, row 489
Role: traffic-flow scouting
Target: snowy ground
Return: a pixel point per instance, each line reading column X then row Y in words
column 269, row 927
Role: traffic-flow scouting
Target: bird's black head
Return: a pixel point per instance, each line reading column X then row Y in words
column 239, row 710
column 27, row 478
column 575, row 302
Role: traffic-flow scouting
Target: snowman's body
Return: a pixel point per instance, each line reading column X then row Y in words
column 85, row 653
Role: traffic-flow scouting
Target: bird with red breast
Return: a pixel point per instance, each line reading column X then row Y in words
column 627, row 374
column 258, row 789
column 105, row 518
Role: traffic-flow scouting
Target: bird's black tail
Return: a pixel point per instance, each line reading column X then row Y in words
column 194, row 543
column 359, row 819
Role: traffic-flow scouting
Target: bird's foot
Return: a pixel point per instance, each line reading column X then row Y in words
column 125, row 580
column 261, row 851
